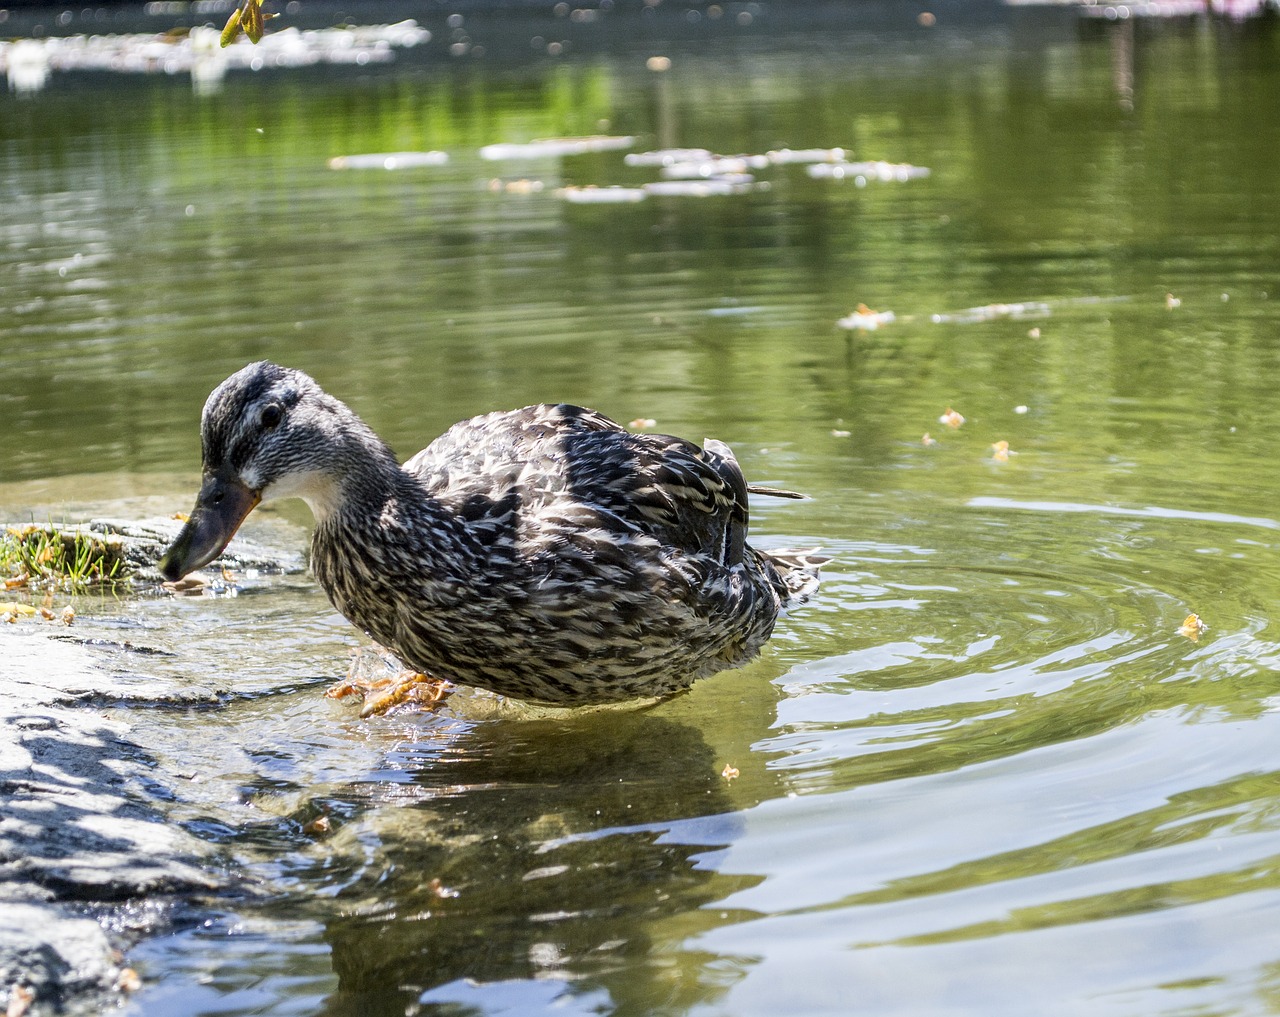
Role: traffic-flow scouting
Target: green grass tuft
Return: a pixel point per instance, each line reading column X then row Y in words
column 44, row 557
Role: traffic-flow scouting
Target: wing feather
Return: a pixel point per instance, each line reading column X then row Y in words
column 564, row 461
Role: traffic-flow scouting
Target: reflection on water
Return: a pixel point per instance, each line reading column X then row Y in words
column 984, row 767
column 513, row 858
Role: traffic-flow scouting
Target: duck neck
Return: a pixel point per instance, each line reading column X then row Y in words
column 360, row 478
column 371, row 501
column 386, row 538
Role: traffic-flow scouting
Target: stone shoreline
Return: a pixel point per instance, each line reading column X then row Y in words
column 89, row 863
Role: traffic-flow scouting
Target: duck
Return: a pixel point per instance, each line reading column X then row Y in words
column 546, row 554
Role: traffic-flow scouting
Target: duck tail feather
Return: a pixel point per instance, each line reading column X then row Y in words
column 773, row 492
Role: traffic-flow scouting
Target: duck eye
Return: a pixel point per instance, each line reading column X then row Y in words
column 272, row 414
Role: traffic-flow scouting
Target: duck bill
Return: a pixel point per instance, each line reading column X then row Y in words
column 221, row 506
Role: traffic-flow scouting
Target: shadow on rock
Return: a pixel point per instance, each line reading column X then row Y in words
column 77, row 837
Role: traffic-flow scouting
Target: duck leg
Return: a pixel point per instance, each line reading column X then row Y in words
column 385, row 693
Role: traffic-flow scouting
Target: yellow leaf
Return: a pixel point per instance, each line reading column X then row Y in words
column 232, row 28
column 251, row 20
column 1192, row 627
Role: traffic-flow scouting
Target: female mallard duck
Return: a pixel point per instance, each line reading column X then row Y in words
column 544, row 553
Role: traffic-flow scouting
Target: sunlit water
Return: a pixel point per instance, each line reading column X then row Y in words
column 983, row 772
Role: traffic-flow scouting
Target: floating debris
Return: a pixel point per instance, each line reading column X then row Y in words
column 701, row 173
column 928, row 440
column 440, row 890
column 686, row 172
column 729, row 772
column 714, row 166
column 714, row 187
column 551, row 148
column 1237, row 10
column 866, row 320
column 989, row 312
column 27, row 66
column 1020, row 409
column 837, row 432
column 789, row 156
column 666, row 157
column 1170, row 301
column 863, row 172
column 521, row 185
column 1192, row 628
column 642, row 423
column 658, row 63
column 951, row 418
column 592, row 195
column 388, row 160
column 778, row 157
column 1001, row 452
column 28, row 63
column 11, row 611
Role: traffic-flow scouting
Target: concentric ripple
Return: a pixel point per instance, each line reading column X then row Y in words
column 952, row 654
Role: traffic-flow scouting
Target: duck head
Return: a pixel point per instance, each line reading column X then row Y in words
column 267, row 432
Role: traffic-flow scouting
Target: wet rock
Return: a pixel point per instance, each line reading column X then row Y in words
column 74, row 816
column 89, row 859
column 143, row 542
column 56, row 955
column 77, row 831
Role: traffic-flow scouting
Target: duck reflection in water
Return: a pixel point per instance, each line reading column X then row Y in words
column 536, row 850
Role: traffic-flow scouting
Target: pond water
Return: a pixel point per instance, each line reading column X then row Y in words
column 983, row 771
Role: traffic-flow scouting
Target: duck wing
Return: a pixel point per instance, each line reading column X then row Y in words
column 545, row 466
